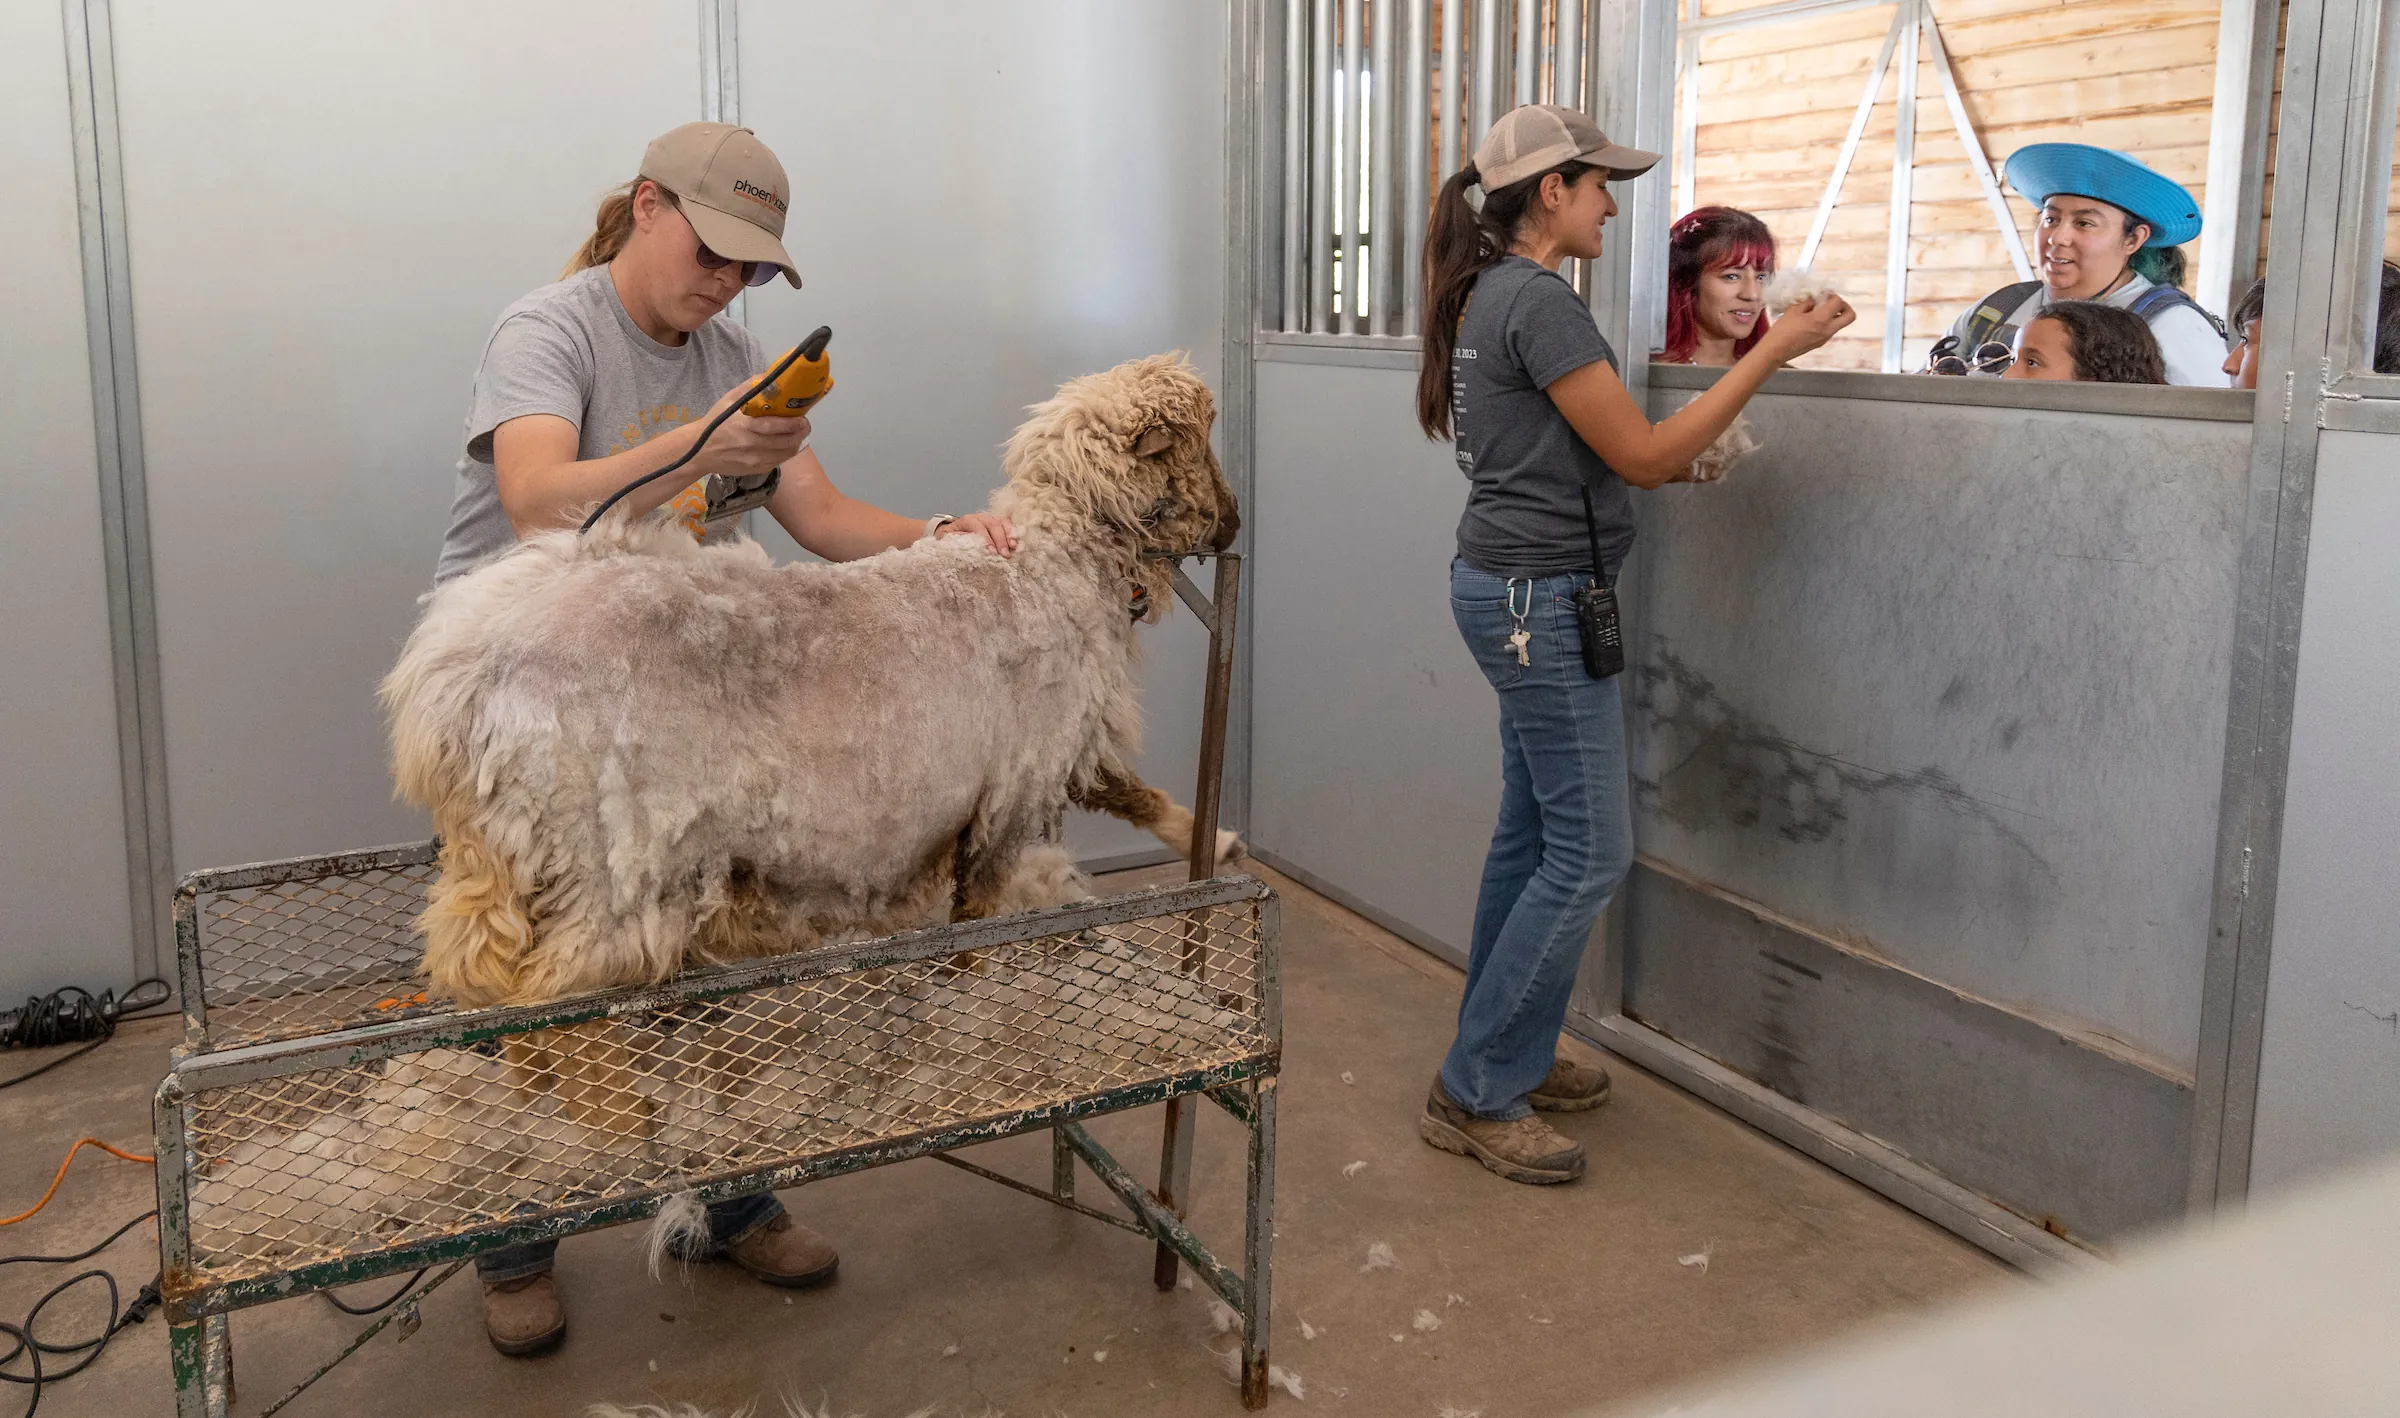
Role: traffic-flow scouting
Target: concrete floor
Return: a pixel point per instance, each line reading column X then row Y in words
column 962, row 1295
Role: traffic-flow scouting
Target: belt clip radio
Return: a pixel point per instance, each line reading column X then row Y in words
column 1596, row 621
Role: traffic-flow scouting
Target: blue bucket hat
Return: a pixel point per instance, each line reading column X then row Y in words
column 2040, row 171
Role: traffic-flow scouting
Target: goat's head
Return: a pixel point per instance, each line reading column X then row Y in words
column 1129, row 449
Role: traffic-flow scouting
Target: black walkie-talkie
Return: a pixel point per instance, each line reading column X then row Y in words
column 1596, row 608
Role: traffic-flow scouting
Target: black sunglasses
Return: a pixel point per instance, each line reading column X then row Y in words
column 754, row 273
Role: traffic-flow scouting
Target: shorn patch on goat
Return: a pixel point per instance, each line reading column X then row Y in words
column 643, row 753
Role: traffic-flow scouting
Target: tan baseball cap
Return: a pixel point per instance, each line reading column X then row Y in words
column 730, row 187
column 1539, row 136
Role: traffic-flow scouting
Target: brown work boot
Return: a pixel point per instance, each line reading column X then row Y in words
column 784, row 1252
column 1570, row 1087
column 524, row 1316
column 1525, row 1150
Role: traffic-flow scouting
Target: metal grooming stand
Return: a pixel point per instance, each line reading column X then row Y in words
column 300, row 1006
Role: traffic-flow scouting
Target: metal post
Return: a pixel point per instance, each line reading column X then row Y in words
column 1320, row 168
column 1973, row 143
column 1180, row 1135
column 1566, row 64
column 2237, row 151
column 1258, row 1239
column 124, row 481
column 1382, row 178
column 1454, row 73
column 1296, row 262
column 1529, row 51
column 1062, row 1166
column 1850, row 140
column 721, row 88
column 1488, row 57
column 1904, row 160
column 1687, row 116
column 1352, row 180
column 1415, row 193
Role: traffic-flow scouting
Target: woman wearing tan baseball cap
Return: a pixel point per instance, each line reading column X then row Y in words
column 1515, row 372
column 611, row 371
column 608, row 374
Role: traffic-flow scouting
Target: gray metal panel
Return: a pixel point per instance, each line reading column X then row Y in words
column 1083, row 147
column 1952, row 686
column 62, row 838
column 302, row 404
column 2093, row 1147
column 2329, row 1072
column 1375, row 751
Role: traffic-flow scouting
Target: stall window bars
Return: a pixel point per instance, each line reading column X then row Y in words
column 1380, row 101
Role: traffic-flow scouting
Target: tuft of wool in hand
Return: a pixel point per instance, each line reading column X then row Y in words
column 1730, row 447
column 1786, row 289
column 1426, row 1322
column 1380, row 1257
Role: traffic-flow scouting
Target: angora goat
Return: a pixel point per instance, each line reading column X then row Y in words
column 642, row 752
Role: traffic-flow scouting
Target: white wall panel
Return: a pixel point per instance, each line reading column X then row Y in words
column 2329, row 1069
column 63, row 907
column 328, row 206
column 987, row 201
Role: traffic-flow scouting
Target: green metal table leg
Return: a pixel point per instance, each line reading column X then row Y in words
column 1258, row 1245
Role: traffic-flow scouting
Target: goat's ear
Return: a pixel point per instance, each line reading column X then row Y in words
column 1152, row 443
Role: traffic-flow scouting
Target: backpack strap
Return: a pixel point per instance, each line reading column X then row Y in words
column 1994, row 312
column 2150, row 303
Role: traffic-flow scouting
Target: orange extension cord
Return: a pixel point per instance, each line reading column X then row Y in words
column 80, row 1144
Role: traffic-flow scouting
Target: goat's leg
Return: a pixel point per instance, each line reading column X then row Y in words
column 1117, row 791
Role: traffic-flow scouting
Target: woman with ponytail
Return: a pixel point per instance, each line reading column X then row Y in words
column 1516, row 373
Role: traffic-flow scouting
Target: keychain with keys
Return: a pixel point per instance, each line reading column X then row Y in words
column 1519, row 638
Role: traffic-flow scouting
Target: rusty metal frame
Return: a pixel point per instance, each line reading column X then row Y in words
column 199, row 1340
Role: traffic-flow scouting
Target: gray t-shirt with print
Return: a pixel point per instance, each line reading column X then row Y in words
column 1525, row 327
column 570, row 349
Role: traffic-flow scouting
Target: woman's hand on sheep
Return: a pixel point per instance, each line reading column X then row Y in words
column 1805, row 326
column 995, row 530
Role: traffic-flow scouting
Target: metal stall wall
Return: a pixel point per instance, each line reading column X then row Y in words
column 990, row 200
column 1928, row 708
column 1928, row 722
column 62, row 837
column 2329, row 1075
column 325, row 208
column 328, row 207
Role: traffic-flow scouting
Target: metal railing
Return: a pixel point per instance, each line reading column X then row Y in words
column 1380, row 101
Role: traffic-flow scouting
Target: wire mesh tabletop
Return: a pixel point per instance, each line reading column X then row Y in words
column 375, row 1150
column 279, row 950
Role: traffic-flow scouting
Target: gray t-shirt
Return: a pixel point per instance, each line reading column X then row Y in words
column 1525, row 327
column 570, row 349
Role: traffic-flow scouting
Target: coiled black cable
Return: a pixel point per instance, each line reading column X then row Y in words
column 75, row 1015
column 810, row 347
column 23, row 1341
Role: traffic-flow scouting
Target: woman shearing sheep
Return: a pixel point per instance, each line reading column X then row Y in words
column 1515, row 372
column 610, row 373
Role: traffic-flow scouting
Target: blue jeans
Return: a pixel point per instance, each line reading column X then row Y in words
column 729, row 1222
column 1563, row 843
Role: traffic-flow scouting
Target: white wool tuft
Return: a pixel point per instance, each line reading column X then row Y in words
column 1353, row 1169
column 1730, row 447
column 1426, row 1322
column 1380, row 1257
column 660, row 1410
column 682, row 1222
column 1229, row 1363
column 1697, row 1260
column 1222, row 1317
column 1786, row 289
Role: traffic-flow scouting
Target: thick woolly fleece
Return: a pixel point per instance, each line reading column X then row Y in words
column 642, row 753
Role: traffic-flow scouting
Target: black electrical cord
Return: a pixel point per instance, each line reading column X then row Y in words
column 74, row 1015
column 810, row 348
column 23, row 1341
column 378, row 1307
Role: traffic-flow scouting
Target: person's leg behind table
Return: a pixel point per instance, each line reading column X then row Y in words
column 522, row 1314
column 757, row 1234
column 1564, row 732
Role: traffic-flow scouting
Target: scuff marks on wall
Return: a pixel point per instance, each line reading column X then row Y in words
column 1721, row 764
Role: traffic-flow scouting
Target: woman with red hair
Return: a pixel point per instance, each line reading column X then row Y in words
column 1718, row 262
